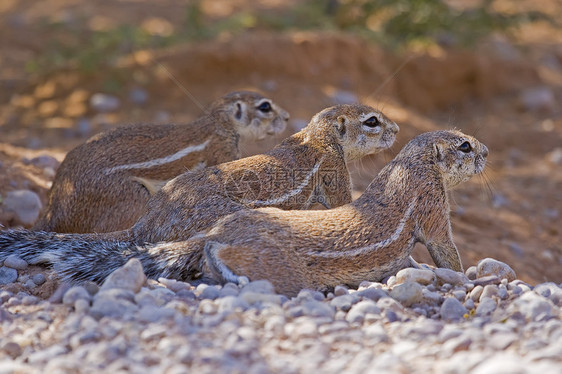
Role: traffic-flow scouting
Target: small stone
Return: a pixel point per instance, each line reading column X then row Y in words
column 229, row 289
column 57, row 296
column 75, row 293
column 38, row 279
column 129, row 277
column 344, row 302
column 460, row 295
column 461, row 343
column 43, row 356
column 433, row 298
column 489, row 291
column 371, row 293
column 12, row 349
column 487, row 307
column 534, row 307
column 501, row 363
column 29, row 284
column 407, row 293
column 388, row 303
column 112, row 307
column 261, row 298
column 116, row 293
column 551, row 291
column 502, row 340
column 231, row 303
column 391, row 316
column 452, row 310
column 8, row 275
column 5, row 296
column 81, row 306
column 360, row 310
column 502, row 292
column 15, row 262
column 174, row 285
column 152, row 313
column 450, row 276
column 449, row 332
column 260, row 286
column 340, row 290
column 469, row 304
column 318, row 309
column 516, row 290
column 489, row 266
column 25, row 205
column 303, row 329
column 92, row 287
column 104, row 103
column 415, row 275
column 471, row 273
column 138, row 96
column 158, row 296
column 391, row 281
column 484, row 281
column 377, row 332
column 29, row 300
column 210, row 293
column 45, row 161
column 306, row 294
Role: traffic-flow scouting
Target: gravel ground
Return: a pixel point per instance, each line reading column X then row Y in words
column 418, row 321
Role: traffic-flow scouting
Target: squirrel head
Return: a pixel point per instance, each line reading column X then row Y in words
column 359, row 129
column 252, row 115
column 456, row 156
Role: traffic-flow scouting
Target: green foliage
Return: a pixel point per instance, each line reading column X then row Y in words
column 399, row 22
column 394, row 23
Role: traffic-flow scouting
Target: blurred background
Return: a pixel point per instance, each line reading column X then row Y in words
column 72, row 68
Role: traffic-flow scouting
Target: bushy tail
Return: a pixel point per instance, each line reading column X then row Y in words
column 81, row 257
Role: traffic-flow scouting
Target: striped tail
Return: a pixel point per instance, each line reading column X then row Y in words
column 89, row 257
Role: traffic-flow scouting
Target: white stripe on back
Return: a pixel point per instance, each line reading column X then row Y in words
column 160, row 161
column 372, row 247
column 282, row 199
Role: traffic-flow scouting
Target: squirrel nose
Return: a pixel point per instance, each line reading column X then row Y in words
column 484, row 151
column 394, row 128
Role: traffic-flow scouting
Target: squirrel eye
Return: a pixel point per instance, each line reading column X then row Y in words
column 265, row 107
column 372, row 122
column 465, row 147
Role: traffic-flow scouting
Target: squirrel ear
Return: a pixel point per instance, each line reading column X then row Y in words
column 341, row 125
column 438, row 152
column 239, row 111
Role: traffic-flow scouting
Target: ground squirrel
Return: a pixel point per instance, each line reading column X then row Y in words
column 104, row 184
column 368, row 239
column 309, row 166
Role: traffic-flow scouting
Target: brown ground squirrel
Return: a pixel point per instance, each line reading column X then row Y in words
column 104, row 184
column 368, row 239
column 309, row 166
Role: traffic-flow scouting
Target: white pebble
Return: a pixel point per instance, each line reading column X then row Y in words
column 15, row 262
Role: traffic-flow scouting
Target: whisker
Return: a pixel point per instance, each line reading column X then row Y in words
column 182, row 87
column 389, row 78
